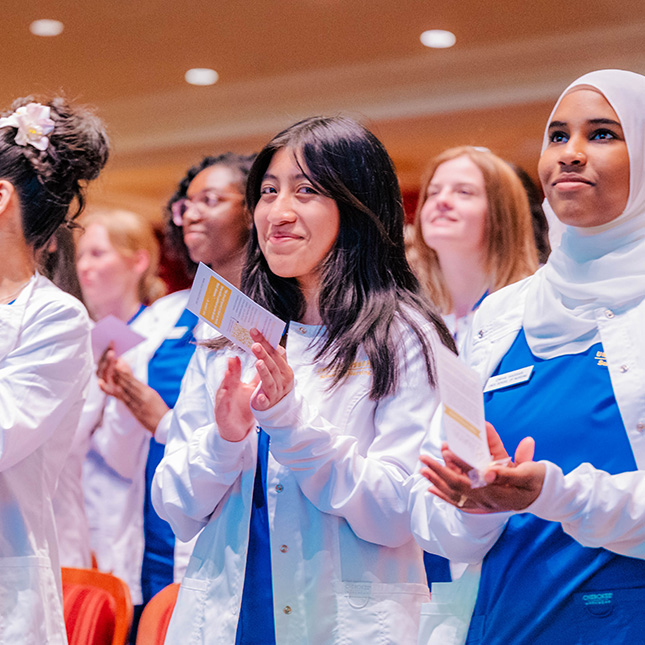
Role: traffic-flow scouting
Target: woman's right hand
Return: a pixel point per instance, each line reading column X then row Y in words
column 233, row 403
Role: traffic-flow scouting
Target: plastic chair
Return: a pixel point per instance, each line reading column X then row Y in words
column 156, row 616
column 97, row 607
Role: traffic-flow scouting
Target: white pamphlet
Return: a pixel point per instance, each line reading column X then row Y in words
column 113, row 330
column 224, row 307
column 463, row 409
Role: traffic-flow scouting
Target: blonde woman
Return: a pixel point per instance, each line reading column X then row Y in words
column 117, row 256
column 473, row 232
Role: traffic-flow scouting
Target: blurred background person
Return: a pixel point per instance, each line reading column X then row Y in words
column 538, row 216
column 473, row 233
column 117, row 255
column 206, row 221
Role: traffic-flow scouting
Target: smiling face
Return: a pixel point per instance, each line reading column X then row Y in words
column 453, row 216
column 296, row 225
column 584, row 169
column 215, row 225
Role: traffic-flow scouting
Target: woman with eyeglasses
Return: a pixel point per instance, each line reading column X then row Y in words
column 207, row 222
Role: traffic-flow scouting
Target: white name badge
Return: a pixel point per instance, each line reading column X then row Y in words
column 510, row 378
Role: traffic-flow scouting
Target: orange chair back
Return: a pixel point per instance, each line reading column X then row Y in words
column 156, row 616
column 97, row 607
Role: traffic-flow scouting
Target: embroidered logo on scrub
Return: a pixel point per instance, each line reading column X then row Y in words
column 598, row 604
column 600, row 359
column 357, row 368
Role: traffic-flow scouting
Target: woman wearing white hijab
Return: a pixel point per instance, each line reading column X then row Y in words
column 580, row 323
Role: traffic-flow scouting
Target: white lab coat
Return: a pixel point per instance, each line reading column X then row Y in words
column 344, row 566
column 584, row 514
column 604, row 516
column 45, row 363
column 114, row 473
column 69, row 502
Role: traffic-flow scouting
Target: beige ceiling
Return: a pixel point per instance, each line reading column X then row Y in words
column 282, row 60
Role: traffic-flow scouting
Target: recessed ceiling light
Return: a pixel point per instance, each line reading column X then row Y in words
column 438, row 38
column 46, row 27
column 201, row 76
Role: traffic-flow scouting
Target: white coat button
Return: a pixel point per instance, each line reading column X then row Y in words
column 278, row 488
column 623, row 368
column 287, row 610
column 609, row 313
column 302, row 330
column 284, row 548
column 640, row 426
column 480, row 333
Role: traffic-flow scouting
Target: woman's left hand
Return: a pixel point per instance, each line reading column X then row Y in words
column 105, row 371
column 276, row 377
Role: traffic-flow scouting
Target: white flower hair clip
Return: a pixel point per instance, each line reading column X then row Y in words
column 33, row 124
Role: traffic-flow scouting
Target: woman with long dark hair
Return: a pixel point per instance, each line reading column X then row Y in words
column 49, row 151
column 306, row 535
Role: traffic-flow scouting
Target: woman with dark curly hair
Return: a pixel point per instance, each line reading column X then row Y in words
column 207, row 222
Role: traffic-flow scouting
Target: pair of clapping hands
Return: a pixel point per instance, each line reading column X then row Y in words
column 233, row 401
column 510, row 487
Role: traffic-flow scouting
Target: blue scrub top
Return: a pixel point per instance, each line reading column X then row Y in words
column 165, row 372
column 257, row 623
column 539, row 586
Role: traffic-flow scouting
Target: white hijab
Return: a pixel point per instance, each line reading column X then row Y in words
column 601, row 267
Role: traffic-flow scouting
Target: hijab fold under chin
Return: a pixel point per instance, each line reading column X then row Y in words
column 597, row 268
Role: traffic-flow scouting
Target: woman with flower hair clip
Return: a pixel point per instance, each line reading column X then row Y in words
column 48, row 152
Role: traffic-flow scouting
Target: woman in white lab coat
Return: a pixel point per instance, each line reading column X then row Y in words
column 117, row 257
column 306, row 535
column 557, row 573
column 47, row 153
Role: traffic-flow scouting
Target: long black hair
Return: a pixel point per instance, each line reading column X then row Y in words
column 366, row 282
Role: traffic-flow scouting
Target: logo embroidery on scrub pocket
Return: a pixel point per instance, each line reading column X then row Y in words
column 598, row 604
column 600, row 359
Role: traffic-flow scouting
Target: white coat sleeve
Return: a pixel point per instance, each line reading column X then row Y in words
column 42, row 377
column 364, row 486
column 198, row 467
column 595, row 508
column 120, row 439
